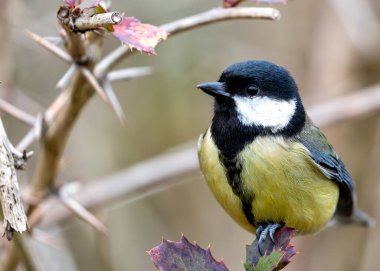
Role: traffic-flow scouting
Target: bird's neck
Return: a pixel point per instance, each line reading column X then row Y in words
column 231, row 136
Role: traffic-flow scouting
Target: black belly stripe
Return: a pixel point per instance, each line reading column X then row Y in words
column 230, row 137
column 233, row 171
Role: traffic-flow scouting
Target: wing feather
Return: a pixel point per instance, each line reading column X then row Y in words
column 325, row 158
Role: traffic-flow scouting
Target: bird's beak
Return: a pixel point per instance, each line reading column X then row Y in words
column 215, row 89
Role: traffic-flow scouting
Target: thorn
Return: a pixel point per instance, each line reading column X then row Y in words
column 94, row 83
column 39, row 127
column 115, row 104
column 65, row 196
column 55, row 50
column 17, row 112
column 129, row 73
column 54, row 40
column 66, row 78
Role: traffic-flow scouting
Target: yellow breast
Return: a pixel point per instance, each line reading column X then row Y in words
column 286, row 185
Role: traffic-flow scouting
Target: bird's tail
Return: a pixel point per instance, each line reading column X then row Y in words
column 358, row 218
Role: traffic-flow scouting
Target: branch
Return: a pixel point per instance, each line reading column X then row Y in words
column 181, row 25
column 354, row 105
column 58, row 128
column 158, row 173
column 140, row 180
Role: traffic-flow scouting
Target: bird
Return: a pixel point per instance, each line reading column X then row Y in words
column 265, row 161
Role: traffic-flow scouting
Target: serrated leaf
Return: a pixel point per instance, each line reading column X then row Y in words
column 234, row 3
column 183, row 255
column 282, row 245
column 143, row 37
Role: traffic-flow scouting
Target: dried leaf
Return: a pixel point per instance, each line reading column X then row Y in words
column 234, row 3
column 276, row 256
column 182, row 255
column 143, row 37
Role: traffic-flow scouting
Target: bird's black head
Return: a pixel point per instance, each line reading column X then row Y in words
column 257, row 94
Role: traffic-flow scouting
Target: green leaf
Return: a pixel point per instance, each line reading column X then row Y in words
column 275, row 255
column 266, row 262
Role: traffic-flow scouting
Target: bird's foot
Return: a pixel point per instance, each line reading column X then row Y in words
column 262, row 233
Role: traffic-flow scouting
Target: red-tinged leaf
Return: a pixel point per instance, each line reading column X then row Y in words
column 234, row 3
column 276, row 255
column 183, row 255
column 143, row 37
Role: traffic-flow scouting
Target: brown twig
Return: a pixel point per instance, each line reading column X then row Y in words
column 181, row 25
column 85, row 23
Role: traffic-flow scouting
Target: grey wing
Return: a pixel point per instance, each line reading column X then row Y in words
column 329, row 163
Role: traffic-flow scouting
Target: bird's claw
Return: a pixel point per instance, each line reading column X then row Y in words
column 259, row 230
column 262, row 233
column 272, row 230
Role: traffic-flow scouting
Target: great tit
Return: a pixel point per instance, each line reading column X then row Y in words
column 266, row 162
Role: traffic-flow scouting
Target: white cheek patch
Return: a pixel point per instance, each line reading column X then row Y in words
column 265, row 111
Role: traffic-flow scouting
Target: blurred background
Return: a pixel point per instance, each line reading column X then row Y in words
column 332, row 48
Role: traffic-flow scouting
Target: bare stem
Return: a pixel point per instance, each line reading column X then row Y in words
column 98, row 20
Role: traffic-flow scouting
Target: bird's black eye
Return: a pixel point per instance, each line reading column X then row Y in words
column 252, row 90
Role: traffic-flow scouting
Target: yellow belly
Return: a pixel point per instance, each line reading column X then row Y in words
column 286, row 185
